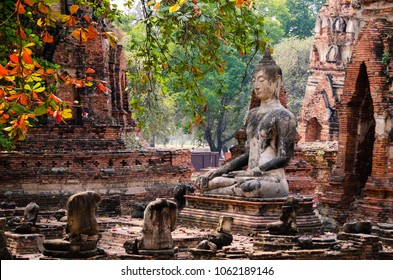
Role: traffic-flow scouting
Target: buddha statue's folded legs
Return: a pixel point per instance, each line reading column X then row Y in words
column 266, row 186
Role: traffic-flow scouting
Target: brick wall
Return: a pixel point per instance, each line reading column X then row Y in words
column 124, row 176
column 357, row 146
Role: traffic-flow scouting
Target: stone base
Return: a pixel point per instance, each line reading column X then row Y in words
column 251, row 215
column 163, row 254
column 201, row 254
column 58, row 248
column 22, row 244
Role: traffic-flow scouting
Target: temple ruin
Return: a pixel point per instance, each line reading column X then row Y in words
column 340, row 176
column 345, row 123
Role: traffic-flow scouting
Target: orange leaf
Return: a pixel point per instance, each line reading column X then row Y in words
column 55, row 98
column 90, row 71
column 16, row 70
column 239, row 3
column 47, row 38
column 49, row 111
column 2, row 93
column 156, row 7
column 57, row 116
column 91, row 32
column 6, row 116
column 89, row 78
column 36, row 64
column 43, row 8
column 14, row 96
column 21, row 8
column 23, row 100
column 87, row 18
column 28, row 2
column 22, row 34
column 27, row 58
column 50, row 71
column 41, row 71
column 72, row 21
column 102, row 87
column 74, row 9
column 80, row 35
column 14, row 58
column 78, row 84
column 35, row 96
column 3, row 71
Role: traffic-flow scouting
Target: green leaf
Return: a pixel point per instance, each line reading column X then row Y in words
column 40, row 110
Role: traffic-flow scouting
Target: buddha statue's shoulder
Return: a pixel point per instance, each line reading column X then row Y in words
column 282, row 113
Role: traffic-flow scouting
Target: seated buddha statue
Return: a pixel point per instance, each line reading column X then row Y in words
column 270, row 130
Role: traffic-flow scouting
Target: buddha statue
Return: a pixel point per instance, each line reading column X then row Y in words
column 271, row 130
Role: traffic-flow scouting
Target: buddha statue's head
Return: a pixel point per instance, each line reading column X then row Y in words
column 267, row 78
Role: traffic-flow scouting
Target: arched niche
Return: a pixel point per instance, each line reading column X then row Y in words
column 352, row 26
column 325, row 23
column 313, row 130
column 361, row 130
column 318, row 25
column 333, row 54
column 339, row 25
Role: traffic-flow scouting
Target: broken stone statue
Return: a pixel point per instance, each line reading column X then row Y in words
column 82, row 229
column 29, row 219
column 287, row 223
column 271, row 131
column 4, row 252
column 222, row 237
column 158, row 223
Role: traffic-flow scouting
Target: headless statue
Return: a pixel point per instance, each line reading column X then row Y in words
column 271, row 131
column 158, row 223
column 81, row 211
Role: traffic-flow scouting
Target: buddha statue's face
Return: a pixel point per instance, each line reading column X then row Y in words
column 266, row 87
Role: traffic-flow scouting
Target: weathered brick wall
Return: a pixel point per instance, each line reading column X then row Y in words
column 351, row 104
column 124, row 176
column 374, row 42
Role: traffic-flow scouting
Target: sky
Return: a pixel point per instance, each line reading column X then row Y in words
column 119, row 3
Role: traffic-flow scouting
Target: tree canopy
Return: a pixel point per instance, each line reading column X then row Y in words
column 293, row 55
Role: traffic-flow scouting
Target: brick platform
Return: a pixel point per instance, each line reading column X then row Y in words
column 250, row 215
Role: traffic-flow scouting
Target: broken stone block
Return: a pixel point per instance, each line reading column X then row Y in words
column 358, row 227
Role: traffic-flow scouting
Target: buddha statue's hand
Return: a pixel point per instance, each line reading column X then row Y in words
column 255, row 172
column 202, row 181
column 240, row 173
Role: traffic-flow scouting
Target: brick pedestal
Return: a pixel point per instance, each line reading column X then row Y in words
column 250, row 215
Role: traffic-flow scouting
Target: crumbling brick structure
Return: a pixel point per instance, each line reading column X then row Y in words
column 364, row 160
column 361, row 182
column 335, row 31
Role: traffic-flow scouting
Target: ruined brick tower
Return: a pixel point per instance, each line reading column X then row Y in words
column 335, row 31
column 348, row 101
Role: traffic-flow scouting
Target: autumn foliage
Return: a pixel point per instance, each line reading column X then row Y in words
column 27, row 79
